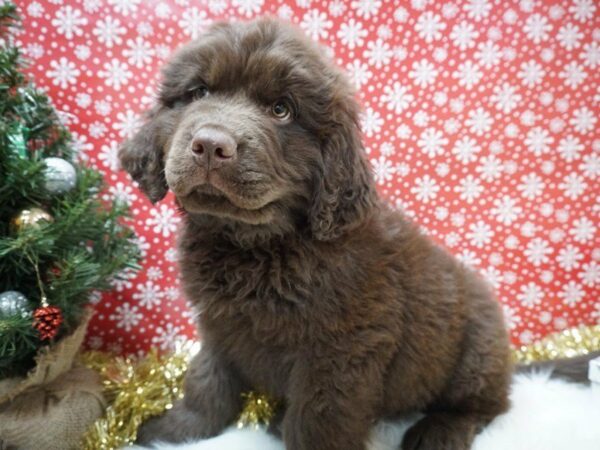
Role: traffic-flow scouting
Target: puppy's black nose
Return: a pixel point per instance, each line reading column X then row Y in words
column 213, row 147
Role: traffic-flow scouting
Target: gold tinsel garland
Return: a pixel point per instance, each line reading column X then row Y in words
column 137, row 390
column 140, row 389
column 564, row 344
column 258, row 410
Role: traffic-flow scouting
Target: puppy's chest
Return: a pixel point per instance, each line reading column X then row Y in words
column 274, row 274
column 263, row 291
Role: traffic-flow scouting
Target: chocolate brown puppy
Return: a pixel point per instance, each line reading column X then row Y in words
column 308, row 287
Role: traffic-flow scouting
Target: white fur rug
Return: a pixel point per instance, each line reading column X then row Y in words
column 545, row 415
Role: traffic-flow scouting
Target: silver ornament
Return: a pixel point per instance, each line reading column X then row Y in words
column 13, row 303
column 60, row 175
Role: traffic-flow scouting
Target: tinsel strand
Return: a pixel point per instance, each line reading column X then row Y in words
column 138, row 390
column 564, row 344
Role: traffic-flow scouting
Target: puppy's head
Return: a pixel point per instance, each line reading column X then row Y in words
column 254, row 126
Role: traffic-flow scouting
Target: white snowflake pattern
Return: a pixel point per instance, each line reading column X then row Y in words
column 248, row 8
column 571, row 293
column 432, row 142
column 506, row 210
column 423, row 73
column 127, row 123
column 396, row 97
column 590, row 274
column 479, row 121
column 383, row 170
column 121, row 193
column 531, row 73
column 139, row 52
column 425, row 189
column 489, row 54
column 63, row 72
column 109, row 156
column 430, row 26
column 378, row 53
column 466, row 150
column 166, row 336
column 115, row 73
column 478, row 9
column 148, row 295
column 490, row 168
column 480, row 234
column 569, row 36
column 568, row 257
column 366, row 8
column 591, row 54
column 163, row 220
column 573, row 74
column 583, row 120
column 352, row 34
column 573, row 186
column 537, row 251
column 531, row 294
column 511, row 317
column 538, row 141
column 371, row 122
column 316, row 24
column 69, row 22
column 537, row 28
column 505, row 97
column 358, row 73
column 109, row 31
column 468, row 74
column 126, row 316
column 463, row 35
column 193, row 22
column 582, row 10
column 469, row 188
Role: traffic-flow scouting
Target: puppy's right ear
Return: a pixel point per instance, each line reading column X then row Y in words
column 142, row 156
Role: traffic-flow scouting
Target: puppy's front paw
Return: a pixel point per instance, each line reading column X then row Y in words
column 153, row 430
column 441, row 432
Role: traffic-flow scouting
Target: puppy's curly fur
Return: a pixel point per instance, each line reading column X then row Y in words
column 308, row 287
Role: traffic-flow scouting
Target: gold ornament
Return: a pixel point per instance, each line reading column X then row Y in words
column 140, row 389
column 29, row 217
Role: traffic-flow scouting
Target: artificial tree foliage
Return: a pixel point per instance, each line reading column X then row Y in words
column 57, row 262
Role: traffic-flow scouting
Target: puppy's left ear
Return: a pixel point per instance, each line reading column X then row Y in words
column 142, row 156
column 344, row 192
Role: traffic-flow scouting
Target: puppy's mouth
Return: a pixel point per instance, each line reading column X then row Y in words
column 209, row 199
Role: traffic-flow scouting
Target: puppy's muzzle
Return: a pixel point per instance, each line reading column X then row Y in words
column 213, row 148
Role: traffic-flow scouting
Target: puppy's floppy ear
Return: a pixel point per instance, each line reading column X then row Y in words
column 142, row 156
column 344, row 192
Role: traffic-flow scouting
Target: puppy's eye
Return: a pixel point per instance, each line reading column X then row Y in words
column 199, row 92
column 281, row 110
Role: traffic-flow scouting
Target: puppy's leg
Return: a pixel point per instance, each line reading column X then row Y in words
column 212, row 401
column 331, row 404
column 453, row 425
column 476, row 393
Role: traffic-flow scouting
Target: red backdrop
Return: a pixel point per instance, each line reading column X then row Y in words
column 480, row 119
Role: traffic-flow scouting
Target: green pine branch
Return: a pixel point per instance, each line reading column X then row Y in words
column 84, row 247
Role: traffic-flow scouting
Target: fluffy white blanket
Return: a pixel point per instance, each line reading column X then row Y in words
column 546, row 414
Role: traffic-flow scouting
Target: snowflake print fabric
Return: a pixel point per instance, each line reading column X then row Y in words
column 480, row 119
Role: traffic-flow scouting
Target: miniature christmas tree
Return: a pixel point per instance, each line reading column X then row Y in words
column 59, row 242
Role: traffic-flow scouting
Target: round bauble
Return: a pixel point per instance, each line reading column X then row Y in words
column 29, row 217
column 13, row 303
column 59, row 175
